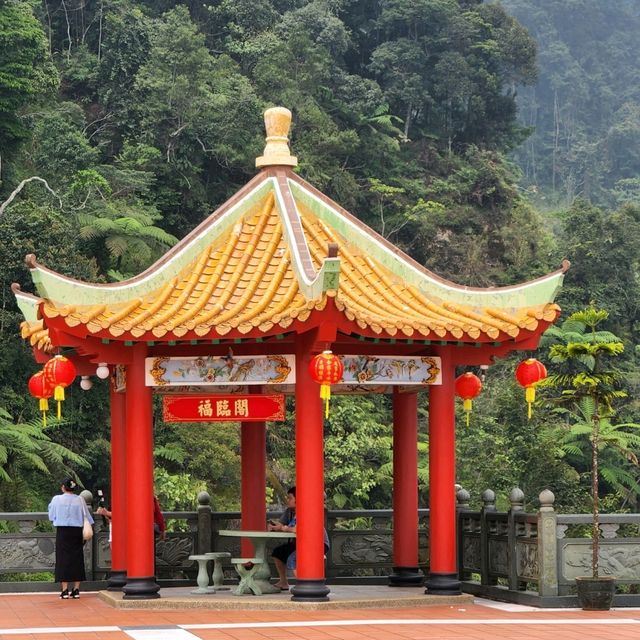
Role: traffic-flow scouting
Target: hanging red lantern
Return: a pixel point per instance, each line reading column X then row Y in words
column 468, row 386
column 326, row 369
column 59, row 372
column 41, row 389
column 528, row 373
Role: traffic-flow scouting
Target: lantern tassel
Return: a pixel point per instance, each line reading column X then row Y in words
column 325, row 394
column 44, row 407
column 58, row 393
column 467, row 405
column 530, row 397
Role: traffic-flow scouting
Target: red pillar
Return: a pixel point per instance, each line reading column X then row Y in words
column 118, row 577
column 141, row 581
column 443, row 570
column 310, row 584
column 405, row 490
column 253, row 445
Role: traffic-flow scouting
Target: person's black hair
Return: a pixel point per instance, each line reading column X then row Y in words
column 292, row 491
column 69, row 484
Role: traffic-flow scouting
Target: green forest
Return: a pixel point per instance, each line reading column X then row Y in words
column 488, row 140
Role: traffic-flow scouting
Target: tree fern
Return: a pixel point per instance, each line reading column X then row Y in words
column 27, row 446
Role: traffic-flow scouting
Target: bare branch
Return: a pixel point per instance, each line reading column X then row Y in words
column 105, row 117
column 178, row 130
column 21, row 186
column 66, row 15
column 203, row 147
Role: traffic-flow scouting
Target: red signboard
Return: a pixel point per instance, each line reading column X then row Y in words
column 223, row 408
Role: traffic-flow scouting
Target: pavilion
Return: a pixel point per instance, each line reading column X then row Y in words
column 274, row 276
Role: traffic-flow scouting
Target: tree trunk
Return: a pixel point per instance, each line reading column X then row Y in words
column 595, row 546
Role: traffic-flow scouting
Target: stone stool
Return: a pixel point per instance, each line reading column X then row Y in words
column 246, row 568
column 218, row 575
column 203, row 575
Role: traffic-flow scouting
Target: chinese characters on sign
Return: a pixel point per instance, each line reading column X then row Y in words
column 219, row 408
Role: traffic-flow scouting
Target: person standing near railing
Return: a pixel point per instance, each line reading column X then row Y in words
column 67, row 512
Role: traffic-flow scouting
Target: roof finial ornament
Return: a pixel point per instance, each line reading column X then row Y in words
column 277, row 121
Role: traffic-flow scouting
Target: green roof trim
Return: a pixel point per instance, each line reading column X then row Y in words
column 28, row 305
column 540, row 291
column 61, row 289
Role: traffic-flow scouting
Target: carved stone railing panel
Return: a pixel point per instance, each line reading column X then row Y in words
column 527, row 561
column 620, row 559
column 471, row 558
column 27, row 553
column 498, row 557
column 358, row 549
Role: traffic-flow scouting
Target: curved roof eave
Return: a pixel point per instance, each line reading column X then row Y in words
column 66, row 290
column 27, row 303
column 534, row 292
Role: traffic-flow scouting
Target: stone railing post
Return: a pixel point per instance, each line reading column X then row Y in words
column 547, row 546
column 89, row 549
column 516, row 499
column 462, row 499
column 462, row 504
column 204, row 523
column 488, row 505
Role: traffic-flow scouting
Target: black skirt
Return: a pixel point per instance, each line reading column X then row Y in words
column 69, row 555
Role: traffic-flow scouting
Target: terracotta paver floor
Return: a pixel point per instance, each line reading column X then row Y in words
column 46, row 617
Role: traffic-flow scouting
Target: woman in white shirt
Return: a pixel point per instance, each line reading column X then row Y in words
column 67, row 511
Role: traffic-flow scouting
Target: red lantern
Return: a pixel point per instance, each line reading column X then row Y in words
column 528, row 374
column 41, row 389
column 326, row 369
column 468, row 386
column 59, row 372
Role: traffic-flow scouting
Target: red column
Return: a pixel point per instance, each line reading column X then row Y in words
column 310, row 584
column 405, row 490
column 118, row 576
column 141, row 581
column 253, row 445
column 443, row 570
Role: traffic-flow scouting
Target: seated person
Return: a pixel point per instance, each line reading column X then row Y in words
column 281, row 553
column 284, row 555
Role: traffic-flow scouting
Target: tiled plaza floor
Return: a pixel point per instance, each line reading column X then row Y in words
column 46, row 617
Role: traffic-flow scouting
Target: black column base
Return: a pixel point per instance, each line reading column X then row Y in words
column 117, row 580
column 443, row 584
column 141, row 589
column 310, row 591
column 406, row 577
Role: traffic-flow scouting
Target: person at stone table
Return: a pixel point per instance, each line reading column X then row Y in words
column 284, row 555
column 67, row 512
column 281, row 553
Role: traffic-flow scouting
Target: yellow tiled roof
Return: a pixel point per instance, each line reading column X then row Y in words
column 244, row 280
column 241, row 281
column 37, row 334
column 373, row 297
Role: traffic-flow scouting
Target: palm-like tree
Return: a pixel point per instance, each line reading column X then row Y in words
column 27, row 447
column 589, row 386
column 128, row 233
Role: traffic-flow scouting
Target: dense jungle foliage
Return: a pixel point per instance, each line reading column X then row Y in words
column 489, row 141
